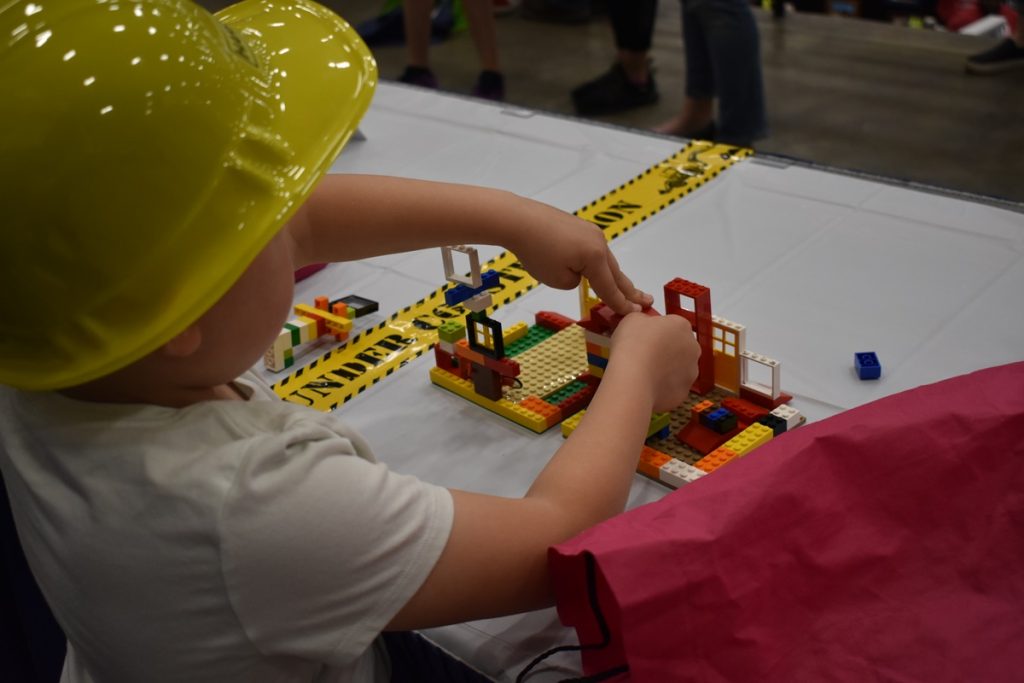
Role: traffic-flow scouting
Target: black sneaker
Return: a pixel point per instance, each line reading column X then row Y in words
column 613, row 92
column 1003, row 57
column 490, row 85
column 418, row 75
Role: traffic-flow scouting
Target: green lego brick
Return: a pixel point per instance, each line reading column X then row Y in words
column 534, row 336
column 451, row 331
column 296, row 333
column 565, row 392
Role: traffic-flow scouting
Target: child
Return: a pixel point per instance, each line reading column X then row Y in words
column 163, row 179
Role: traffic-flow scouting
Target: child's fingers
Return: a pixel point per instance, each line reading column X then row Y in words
column 626, row 285
column 604, row 279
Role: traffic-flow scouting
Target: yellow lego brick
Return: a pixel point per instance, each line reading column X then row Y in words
column 570, row 423
column 595, row 371
column 310, row 312
column 749, row 439
column 515, row 332
column 503, row 407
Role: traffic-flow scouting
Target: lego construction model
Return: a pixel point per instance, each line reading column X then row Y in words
column 324, row 317
column 545, row 374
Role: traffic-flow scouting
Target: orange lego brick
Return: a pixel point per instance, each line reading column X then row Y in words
column 651, row 461
column 599, row 351
column 715, row 459
column 544, row 410
column 463, row 351
column 700, row 408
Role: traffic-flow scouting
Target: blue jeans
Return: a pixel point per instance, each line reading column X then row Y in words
column 723, row 60
column 723, row 57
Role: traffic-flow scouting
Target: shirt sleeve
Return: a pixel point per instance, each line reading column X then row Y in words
column 321, row 547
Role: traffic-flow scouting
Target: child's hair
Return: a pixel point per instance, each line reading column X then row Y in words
column 150, row 150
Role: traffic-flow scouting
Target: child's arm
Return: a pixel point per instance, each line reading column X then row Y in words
column 350, row 217
column 495, row 561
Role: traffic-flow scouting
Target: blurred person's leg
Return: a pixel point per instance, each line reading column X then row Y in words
column 723, row 60
column 416, row 17
column 483, row 29
column 629, row 83
column 1007, row 55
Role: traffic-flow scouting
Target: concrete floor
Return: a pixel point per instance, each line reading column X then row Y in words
column 841, row 92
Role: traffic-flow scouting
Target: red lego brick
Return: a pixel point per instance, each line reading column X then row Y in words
column 445, row 360
column 701, row 439
column 700, row 320
column 595, row 326
column 506, row 367
column 577, row 402
column 745, row 410
column 554, row 321
column 764, row 400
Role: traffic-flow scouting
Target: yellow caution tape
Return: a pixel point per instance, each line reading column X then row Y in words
column 347, row 371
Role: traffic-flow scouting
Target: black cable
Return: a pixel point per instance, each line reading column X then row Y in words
column 602, row 625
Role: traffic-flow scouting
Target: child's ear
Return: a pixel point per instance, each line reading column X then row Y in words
column 185, row 344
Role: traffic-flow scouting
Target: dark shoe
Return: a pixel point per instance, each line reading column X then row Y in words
column 417, row 75
column 613, row 92
column 1003, row 57
column 490, row 86
column 557, row 11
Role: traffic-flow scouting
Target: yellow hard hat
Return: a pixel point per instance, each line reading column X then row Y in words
column 150, row 150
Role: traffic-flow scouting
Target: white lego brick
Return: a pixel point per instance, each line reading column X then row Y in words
column 677, row 473
column 598, row 339
column 480, row 302
column 446, row 346
column 789, row 414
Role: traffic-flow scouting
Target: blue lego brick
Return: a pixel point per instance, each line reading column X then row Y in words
column 867, row 366
column 721, row 420
column 597, row 360
column 459, row 293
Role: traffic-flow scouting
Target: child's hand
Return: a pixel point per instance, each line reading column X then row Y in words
column 661, row 351
column 558, row 248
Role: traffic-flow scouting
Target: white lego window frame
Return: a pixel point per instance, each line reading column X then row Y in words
column 475, row 278
column 773, row 391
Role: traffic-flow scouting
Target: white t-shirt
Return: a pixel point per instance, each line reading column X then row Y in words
column 227, row 541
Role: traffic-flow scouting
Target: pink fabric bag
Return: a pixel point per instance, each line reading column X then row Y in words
column 883, row 544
